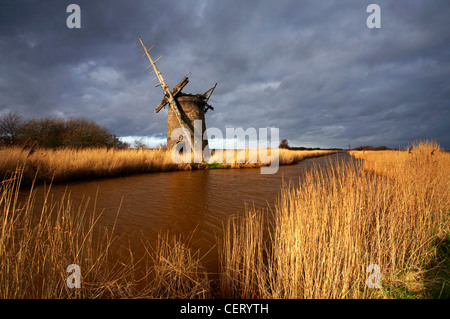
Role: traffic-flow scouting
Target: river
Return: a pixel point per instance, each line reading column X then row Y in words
column 195, row 202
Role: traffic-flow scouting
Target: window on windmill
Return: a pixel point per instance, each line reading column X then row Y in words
column 180, row 144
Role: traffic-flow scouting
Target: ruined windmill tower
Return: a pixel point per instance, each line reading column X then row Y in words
column 184, row 108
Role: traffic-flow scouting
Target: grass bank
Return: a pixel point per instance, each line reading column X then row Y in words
column 317, row 242
column 63, row 165
column 325, row 233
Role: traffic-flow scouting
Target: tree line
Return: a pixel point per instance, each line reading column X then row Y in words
column 55, row 132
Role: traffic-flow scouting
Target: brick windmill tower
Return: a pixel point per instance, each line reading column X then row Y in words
column 184, row 108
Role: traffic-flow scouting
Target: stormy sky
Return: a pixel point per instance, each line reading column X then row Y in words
column 313, row 69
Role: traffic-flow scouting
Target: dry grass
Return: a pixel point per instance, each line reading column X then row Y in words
column 35, row 251
column 261, row 157
column 288, row 157
column 177, row 271
column 325, row 232
column 242, row 256
column 71, row 164
column 316, row 243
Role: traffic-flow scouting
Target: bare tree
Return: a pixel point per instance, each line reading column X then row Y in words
column 162, row 145
column 139, row 143
column 10, row 124
column 284, row 144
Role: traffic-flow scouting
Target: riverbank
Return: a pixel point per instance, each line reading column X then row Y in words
column 319, row 242
column 346, row 232
column 65, row 165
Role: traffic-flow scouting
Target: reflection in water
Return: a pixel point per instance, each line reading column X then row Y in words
column 184, row 202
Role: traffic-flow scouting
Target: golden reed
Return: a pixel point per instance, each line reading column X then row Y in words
column 390, row 210
column 63, row 165
column 324, row 233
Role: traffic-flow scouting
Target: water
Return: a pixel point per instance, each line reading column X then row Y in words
column 184, row 202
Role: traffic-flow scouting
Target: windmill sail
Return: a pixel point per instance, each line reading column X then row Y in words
column 184, row 109
column 163, row 83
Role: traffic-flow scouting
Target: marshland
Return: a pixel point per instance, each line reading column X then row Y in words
column 141, row 226
column 97, row 97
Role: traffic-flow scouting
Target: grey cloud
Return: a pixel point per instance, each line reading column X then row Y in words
column 311, row 68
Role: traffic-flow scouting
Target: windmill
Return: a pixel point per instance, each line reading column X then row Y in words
column 184, row 108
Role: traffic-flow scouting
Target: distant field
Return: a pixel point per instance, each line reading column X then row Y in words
column 71, row 164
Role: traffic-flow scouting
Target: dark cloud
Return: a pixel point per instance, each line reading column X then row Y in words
column 311, row 68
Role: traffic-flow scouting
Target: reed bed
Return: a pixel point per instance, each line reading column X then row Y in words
column 72, row 164
column 36, row 250
column 243, row 257
column 392, row 210
column 63, row 165
column 261, row 157
column 177, row 270
column 324, row 233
